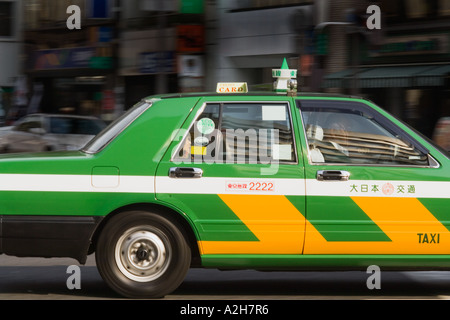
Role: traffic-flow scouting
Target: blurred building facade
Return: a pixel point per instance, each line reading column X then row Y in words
column 71, row 70
column 246, row 39
column 126, row 50
column 11, row 55
column 404, row 66
column 162, row 47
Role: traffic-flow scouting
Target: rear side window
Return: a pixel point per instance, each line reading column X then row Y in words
column 254, row 133
column 352, row 133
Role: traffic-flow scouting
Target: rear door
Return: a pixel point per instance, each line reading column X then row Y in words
column 371, row 188
column 233, row 170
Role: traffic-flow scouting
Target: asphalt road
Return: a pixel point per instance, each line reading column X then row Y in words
column 45, row 279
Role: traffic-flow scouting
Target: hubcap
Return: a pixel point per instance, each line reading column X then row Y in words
column 141, row 254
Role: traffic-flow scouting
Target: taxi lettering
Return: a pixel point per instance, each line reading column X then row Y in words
column 251, row 186
column 230, row 90
column 232, row 87
column 386, row 189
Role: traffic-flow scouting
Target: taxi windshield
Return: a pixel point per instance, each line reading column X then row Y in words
column 115, row 128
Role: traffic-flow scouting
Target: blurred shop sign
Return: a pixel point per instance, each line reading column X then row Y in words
column 101, row 63
column 441, row 134
column 190, row 66
column 414, row 44
column 306, row 64
column 257, row 4
column 100, row 34
column 63, row 58
column 108, row 100
column 157, row 62
column 158, row 5
column 191, row 6
column 182, row 6
column 190, row 38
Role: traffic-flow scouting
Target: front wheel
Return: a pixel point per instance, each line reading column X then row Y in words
column 142, row 255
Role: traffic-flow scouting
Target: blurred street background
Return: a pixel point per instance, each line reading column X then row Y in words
column 128, row 49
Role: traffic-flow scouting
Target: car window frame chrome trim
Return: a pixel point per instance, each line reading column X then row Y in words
column 149, row 103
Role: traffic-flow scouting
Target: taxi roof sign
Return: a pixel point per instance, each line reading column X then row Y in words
column 232, row 87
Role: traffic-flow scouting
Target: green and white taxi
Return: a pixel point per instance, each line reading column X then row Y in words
column 234, row 180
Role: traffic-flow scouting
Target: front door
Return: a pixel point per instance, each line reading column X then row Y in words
column 371, row 188
column 233, row 171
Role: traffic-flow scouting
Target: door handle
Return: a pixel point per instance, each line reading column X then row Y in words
column 332, row 175
column 182, row 172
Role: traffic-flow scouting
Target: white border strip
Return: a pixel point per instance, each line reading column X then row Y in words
column 225, row 185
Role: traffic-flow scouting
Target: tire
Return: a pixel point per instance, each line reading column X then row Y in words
column 142, row 255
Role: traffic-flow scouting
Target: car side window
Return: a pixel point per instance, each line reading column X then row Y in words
column 254, row 133
column 61, row 125
column 353, row 134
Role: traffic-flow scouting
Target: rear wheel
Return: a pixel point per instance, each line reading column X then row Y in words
column 142, row 255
